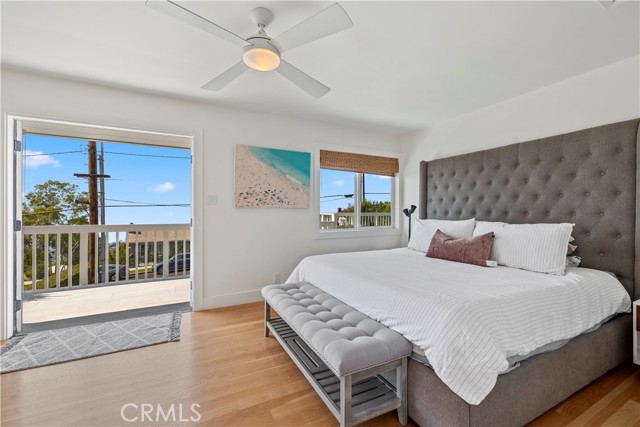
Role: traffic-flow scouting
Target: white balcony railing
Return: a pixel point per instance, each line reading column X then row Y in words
column 65, row 256
column 337, row 220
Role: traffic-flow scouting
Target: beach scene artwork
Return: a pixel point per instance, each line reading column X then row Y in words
column 271, row 178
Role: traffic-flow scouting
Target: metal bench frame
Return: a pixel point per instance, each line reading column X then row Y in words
column 352, row 398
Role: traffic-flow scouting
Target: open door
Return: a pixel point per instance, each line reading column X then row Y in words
column 17, row 229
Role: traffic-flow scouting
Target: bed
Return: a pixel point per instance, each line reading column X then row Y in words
column 589, row 178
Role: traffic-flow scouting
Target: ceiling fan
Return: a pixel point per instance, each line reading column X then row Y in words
column 261, row 52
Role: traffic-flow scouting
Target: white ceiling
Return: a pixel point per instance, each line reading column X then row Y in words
column 403, row 66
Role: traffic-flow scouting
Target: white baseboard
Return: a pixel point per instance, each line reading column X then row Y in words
column 231, row 299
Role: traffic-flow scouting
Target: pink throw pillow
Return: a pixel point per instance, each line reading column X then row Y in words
column 473, row 250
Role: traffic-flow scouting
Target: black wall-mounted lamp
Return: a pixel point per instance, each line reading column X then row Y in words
column 408, row 212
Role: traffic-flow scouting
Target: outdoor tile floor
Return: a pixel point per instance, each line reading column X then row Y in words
column 58, row 305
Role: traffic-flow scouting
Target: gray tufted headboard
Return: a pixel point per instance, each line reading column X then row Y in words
column 590, row 178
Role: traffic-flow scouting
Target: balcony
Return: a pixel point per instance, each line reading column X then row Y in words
column 125, row 267
column 339, row 220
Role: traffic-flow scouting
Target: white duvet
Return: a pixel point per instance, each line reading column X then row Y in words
column 468, row 320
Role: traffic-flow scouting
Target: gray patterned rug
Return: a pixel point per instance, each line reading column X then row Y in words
column 79, row 342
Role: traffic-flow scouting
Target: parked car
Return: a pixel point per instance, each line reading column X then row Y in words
column 172, row 264
column 122, row 269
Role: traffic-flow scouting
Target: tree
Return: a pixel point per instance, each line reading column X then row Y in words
column 370, row 206
column 52, row 203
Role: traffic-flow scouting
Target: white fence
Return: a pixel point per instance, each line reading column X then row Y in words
column 65, row 256
column 337, row 220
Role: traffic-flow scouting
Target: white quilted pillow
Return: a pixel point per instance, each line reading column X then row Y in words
column 422, row 231
column 534, row 247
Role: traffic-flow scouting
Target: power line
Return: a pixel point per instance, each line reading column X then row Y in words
column 147, row 155
column 332, row 200
column 346, row 196
column 180, row 205
column 51, row 154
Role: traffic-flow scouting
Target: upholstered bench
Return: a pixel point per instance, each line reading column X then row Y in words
column 340, row 351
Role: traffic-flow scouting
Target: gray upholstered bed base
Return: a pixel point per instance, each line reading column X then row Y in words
column 539, row 384
column 590, row 178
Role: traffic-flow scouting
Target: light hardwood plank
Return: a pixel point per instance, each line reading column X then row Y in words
column 239, row 378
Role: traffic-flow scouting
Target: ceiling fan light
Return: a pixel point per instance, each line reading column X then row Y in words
column 261, row 59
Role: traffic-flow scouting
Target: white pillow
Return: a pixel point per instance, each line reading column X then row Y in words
column 534, row 247
column 422, row 231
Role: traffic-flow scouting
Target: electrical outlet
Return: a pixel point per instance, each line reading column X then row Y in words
column 276, row 278
column 212, row 200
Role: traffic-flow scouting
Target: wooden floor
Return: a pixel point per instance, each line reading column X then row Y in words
column 239, row 378
column 49, row 306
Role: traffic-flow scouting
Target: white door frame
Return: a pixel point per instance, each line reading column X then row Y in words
column 66, row 128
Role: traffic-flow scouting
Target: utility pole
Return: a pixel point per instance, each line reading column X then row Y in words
column 93, row 207
column 103, row 236
column 92, row 178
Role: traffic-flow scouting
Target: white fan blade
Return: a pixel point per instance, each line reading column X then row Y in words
column 185, row 15
column 329, row 21
column 226, row 77
column 302, row 80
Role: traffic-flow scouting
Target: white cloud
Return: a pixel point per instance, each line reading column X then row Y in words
column 338, row 183
column 163, row 188
column 35, row 159
column 384, row 177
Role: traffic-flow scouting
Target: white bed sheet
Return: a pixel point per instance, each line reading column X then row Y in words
column 468, row 320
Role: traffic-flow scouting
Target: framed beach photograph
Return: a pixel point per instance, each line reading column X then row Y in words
column 271, row 178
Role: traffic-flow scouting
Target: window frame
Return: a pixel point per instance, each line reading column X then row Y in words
column 357, row 231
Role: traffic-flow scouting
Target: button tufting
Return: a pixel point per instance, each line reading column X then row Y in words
column 602, row 173
column 537, row 196
column 562, row 159
column 538, row 162
column 549, row 178
column 548, row 213
column 526, row 180
column 573, row 175
column 517, row 197
column 573, row 214
column 560, row 195
column 517, row 164
column 588, row 233
column 601, row 253
column 601, row 213
column 619, row 150
column 508, row 181
column 587, row 194
column 617, row 193
column 619, row 235
column 499, row 197
column 589, row 154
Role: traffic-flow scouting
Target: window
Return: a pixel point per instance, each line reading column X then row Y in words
column 356, row 191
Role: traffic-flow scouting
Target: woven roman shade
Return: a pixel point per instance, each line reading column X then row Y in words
column 360, row 163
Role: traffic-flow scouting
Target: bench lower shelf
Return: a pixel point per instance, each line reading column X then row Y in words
column 370, row 397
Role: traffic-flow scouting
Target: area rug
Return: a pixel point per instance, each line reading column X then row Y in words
column 79, row 342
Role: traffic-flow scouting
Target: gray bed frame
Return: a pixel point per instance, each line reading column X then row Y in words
column 590, row 178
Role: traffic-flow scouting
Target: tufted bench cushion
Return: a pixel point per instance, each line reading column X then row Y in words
column 347, row 340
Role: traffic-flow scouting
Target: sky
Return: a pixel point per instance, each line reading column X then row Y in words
column 136, row 176
column 334, row 185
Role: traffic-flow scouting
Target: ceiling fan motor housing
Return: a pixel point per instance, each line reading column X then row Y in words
column 261, row 55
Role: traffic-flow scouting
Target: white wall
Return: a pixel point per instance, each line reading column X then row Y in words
column 241, row 248
column 606, row 95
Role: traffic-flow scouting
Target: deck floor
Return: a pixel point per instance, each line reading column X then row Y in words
column 57, row 305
